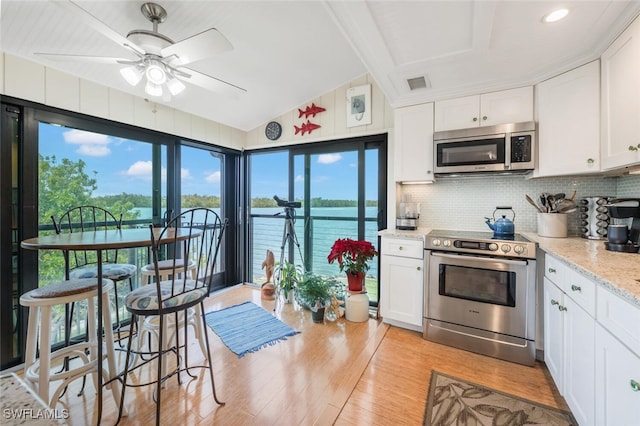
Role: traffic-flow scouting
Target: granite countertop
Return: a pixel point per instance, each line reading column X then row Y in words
column 419, row 233
column 618, row 272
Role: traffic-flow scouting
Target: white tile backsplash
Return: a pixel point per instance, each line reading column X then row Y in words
column 463, row 203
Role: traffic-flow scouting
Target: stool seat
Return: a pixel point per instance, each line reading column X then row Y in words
column 112, row 271
column 42, row 371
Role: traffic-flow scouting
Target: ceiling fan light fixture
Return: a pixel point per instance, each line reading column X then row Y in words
column 555, row 15
column 132, row 75
column 153, row 89
column 174, row 85
column 156, row 73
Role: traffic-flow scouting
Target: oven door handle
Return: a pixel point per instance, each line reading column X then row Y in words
column 458, row 257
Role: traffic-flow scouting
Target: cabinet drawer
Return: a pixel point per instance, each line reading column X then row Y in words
column 404, row 247
column 620, row 317
column 554, row 270
column 581, row 289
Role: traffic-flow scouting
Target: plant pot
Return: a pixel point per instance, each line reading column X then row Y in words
column 318, row 316
column 355, row 281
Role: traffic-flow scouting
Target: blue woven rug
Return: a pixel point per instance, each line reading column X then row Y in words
column 247, row 328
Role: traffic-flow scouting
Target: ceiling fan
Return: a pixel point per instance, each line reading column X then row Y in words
column 159, row 60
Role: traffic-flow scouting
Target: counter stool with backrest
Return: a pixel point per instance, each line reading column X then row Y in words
column 83, row 263
column 173, row 293
column 46, row 369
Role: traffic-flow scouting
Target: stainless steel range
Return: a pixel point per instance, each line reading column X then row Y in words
column 480, row 294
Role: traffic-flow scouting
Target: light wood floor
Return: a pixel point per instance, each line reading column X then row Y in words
column 341, row 373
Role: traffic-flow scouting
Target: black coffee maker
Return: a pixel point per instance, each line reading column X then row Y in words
column 626, row 208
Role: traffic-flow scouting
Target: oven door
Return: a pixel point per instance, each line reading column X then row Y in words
column 470, row 154
column 486, row 293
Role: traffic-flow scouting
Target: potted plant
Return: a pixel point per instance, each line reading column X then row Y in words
column 352, row 257
column 286, row 276
column 314, row 292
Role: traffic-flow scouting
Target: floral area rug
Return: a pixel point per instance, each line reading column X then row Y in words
column 453, row 401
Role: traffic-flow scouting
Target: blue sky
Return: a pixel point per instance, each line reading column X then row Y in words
column 124, row 165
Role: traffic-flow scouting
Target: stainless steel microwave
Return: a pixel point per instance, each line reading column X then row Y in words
column 501, row 148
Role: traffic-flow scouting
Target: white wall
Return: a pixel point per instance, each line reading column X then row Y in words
column 27, row 80
column 333, row 121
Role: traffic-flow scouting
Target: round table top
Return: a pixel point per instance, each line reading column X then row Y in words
column 106, row 239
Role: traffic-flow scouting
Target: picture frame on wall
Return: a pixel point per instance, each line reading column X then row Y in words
column 359, row 105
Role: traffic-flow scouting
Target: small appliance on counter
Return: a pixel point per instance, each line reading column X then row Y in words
column 594, row 217
column 624, row 237
column 408, row 215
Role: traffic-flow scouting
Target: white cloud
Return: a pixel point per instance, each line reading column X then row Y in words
column 90, row 144
column 185, row 174
column 329, row 158
column 213, row 177
column 299, row 178
column 143, row 170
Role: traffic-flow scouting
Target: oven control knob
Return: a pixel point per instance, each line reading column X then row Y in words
column 435, row 242
column 506, row 248
column 446, row 243
column 493, row 247
column 518, row 249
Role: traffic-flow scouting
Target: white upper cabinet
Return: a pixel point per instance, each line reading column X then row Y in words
column 488, row 109
column 568, row 109
column 621, row 100
column 413, row 143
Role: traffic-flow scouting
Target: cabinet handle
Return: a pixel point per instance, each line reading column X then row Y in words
column 576, row 287
column 590, row 161
column 484, row 118
column 400, row 248
column 562, row 308
column 419, row 268
column 554, row 302
column 476, row 119
column 633, row 148
column 634, row 385
column 551, row 270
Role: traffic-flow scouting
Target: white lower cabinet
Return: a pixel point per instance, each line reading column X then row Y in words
column 402, row 282
column 591, row 347
column 617, row 381
column 569, row 337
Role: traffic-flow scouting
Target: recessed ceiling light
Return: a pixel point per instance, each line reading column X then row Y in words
column 555, row 15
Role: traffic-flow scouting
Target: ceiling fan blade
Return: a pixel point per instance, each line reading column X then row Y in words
column 85, row 58
column 210, row 83
column 199, row 46
column 93, row 22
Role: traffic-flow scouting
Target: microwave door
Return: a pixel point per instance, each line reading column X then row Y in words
column 471, row 155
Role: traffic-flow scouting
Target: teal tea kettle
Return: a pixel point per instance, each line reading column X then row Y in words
column 502, row 228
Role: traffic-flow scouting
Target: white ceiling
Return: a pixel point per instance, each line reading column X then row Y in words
column 287, row 53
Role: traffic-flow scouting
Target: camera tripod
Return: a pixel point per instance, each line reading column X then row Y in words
column 289, row 236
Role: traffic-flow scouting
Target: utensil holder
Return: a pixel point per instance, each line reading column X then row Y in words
column 552, row 225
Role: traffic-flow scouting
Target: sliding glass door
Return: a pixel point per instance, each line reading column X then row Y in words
column 341, row 188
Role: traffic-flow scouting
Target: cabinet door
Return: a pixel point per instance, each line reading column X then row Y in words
column 569, row 122
column 579, row 361
column 553, row 333
column 506, row 106
column 413, row 144
column 401, row 289
column 617, row 381
column 459, row 113
column 621, row 100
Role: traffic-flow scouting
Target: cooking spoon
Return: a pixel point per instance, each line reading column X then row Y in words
column 533, row 203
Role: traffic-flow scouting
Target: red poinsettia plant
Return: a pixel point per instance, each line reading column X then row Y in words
column 352, row 255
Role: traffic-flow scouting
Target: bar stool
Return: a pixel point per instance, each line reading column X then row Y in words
column 39, row 372
column 150, row 325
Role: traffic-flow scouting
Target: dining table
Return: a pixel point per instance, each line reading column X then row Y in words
column 99, row 241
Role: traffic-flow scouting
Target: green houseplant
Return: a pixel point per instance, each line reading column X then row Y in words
column 314, row 292
column 286, row 277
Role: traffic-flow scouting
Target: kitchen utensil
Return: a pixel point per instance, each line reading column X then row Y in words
column 533, row 203
column 502, row 228
column 618, row 234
